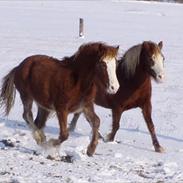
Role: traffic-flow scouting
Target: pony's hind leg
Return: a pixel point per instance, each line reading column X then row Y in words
column 94, row 121
column 40, row 121
column 41, row 117
column 62, row 118
column 28, row 117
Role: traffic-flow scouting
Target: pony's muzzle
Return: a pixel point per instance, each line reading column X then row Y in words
column 160, row 77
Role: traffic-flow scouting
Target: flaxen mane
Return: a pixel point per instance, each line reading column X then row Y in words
column 130, row 60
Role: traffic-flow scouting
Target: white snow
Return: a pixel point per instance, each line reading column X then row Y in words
column 52, row 28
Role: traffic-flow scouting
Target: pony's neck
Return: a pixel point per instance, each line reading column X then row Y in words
column 85, row 71
column 138, row 78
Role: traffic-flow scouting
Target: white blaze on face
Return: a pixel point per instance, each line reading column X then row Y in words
column 111, row 70
column 158, row 67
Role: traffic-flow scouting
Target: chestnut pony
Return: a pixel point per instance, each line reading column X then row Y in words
column 134, row 72
column 62, row 86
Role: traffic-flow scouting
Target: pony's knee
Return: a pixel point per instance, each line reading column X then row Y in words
column 96, row 123
column 39, row 136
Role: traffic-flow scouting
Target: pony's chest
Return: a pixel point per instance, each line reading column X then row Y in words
column 78, row 102
column 137, row 98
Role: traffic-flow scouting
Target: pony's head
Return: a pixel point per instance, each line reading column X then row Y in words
column 102, row 58
column 106, row 67
column 154, row 59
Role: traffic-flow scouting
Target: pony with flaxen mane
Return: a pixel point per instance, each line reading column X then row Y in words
column 135, row 69
column 62, row 86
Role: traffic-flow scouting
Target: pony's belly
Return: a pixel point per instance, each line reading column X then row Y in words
column 78, row 110
column 50, row 108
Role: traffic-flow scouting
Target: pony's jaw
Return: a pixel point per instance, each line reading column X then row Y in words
column 158, row 68
column 111, row 70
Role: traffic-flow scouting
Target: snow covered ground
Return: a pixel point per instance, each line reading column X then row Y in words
column 51, row 27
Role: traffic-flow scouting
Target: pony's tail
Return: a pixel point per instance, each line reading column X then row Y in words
column 7, row 92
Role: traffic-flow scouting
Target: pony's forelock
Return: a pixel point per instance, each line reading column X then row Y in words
column 104, row 50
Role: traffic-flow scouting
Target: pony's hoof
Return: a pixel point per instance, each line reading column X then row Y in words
column 160, row 149
column 108, row 138
column 53, row 142
column 90, row 150
column 39, row 136
column 71, row 128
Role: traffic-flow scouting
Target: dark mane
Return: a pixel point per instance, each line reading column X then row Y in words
column 102, row 49
column 87, row 50
column 130, row 60
column 67, row 61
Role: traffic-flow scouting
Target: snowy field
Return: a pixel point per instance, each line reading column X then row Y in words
column 51, row 27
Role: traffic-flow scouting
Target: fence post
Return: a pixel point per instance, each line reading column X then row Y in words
column 81, row 28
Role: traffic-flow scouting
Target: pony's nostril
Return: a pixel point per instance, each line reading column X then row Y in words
column 112, row 87
column 159, row 76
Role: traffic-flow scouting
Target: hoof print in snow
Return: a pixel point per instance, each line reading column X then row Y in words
column 118, row 141
column 66, row 159
column 7, row 143
column 4, row 173
column 35, row 153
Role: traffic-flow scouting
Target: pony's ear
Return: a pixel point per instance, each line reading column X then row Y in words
column 160, row 44
column 146, row 45
column 117, row 47
column 101, row 48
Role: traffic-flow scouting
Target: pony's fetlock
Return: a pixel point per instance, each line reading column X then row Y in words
column 54, row 142
column 109, row 138
column 91, row 150
column 39, row 136
column 159, row 149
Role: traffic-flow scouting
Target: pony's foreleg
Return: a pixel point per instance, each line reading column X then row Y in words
column 62, row 118
column 116, row 115
column 94, row 121
column 147, row 110
column 73, row 123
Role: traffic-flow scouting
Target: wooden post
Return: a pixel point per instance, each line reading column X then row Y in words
column 81, row 27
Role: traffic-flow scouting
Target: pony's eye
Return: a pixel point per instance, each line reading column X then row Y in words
column 103, row 64
column 153, row 57
column 163, row 57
